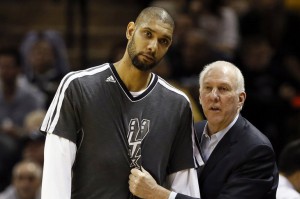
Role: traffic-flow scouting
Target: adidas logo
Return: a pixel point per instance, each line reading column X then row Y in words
column 110, row 79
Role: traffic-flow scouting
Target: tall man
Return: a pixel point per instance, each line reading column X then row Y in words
column 107, row 119
column 239, row 159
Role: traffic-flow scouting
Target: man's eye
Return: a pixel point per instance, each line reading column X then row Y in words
column 148, row 34
column 164, row 42
column 223, row 89
column 207, row 88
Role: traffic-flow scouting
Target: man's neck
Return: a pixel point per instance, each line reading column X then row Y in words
column 134, row 79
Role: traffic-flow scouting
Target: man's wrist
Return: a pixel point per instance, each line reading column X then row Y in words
column 161, row 193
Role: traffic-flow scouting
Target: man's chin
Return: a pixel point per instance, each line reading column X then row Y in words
column 144, row 67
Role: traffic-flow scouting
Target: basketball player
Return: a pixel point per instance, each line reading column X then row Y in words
column 108, row 119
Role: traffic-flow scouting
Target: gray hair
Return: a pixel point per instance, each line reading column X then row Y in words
column 240, row 83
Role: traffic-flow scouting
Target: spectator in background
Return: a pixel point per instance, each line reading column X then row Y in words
column 9, row 156
column 289, row 168
column 256, row 60
column 33, row 148
column 196, row 52
column 219, row 22
column 280, row 27
column 30, row 146
column 33, row 121
column 270, row 19
column 27, row 177
column 33, row 141
column 240, row 7
column 117, row 51
column 15, row 101
column 184, row 24
column 45, row 62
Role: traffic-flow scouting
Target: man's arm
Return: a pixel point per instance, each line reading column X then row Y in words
column 143, row 185
column 254, row 178
column 59, row 156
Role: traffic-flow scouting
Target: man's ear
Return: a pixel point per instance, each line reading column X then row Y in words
column 130, row 30
column 200, row 101
column 242, row 98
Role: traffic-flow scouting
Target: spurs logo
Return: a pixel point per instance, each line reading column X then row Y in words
column 136, row 133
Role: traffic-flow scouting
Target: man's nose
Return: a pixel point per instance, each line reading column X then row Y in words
column 152, row 46
column 215, row 93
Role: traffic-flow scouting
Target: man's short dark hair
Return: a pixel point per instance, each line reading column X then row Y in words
column 155, row 13
column 289, row 159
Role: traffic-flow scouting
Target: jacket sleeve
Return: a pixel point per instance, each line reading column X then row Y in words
column 254, row 178
column 181, row 196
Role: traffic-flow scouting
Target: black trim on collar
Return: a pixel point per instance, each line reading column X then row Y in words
column 125, row 89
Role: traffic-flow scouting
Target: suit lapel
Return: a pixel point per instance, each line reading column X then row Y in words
column 199, row 127
column 222, row 148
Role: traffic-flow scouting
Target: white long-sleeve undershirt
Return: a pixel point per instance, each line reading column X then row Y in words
column 59, row 156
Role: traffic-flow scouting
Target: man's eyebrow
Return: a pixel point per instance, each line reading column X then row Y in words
column 220, row 84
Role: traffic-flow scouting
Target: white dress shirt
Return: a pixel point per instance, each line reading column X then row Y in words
column 209, row 143
column 286, row 190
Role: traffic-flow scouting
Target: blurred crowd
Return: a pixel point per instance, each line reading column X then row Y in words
column 29, row 77
column 262, row 37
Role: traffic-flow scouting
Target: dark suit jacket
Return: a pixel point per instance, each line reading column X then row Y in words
column 242, row 166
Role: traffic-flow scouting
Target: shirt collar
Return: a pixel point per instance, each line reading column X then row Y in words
column 220, row 134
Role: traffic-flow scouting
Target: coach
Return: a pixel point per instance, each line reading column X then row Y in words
column 239, row 159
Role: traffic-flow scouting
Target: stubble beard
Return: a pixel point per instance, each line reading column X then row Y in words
column 136, row 62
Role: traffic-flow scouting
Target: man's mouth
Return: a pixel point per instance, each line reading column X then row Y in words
column 148, row 57
column 213, row 108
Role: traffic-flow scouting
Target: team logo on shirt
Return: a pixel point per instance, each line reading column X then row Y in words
column 136, row 133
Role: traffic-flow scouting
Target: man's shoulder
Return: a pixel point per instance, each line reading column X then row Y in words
column 88, row 71
column 87, row 75
column 172, row 90
column 252, row 133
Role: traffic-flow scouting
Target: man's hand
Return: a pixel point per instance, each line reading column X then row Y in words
column 143, row 185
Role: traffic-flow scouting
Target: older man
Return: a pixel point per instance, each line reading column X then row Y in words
column 239, row 159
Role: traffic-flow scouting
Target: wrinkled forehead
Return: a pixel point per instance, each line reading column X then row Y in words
column 222, row 75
